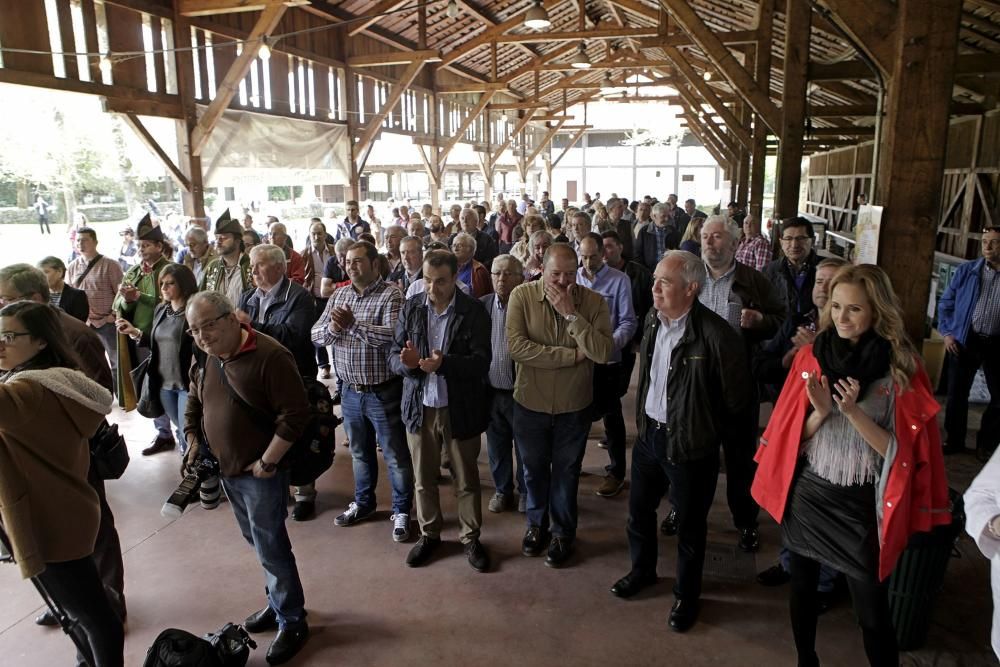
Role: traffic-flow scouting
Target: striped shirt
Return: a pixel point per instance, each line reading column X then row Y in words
column 501, row 366
column 754, row 252
column 717, row 295
column 361, row 352
column 986, row 314
column 100, row 284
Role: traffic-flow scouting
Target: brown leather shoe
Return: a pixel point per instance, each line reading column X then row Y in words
column 610, row 487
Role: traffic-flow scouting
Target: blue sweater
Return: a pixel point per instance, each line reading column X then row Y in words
column 959, row 300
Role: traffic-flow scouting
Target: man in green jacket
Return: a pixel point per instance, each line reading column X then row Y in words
column 228, row 273
column 137, row 298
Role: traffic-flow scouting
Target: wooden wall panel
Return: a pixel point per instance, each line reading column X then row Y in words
column 223, row 57
column 280, row 94
column 23, row 26
column 989, row 150
column 322, row 91
column 866, row 153
column 159, row 72
column 962, row 137
column 65, row 19
column 125, row 35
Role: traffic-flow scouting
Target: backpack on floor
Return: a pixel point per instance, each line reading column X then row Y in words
column 229, row 647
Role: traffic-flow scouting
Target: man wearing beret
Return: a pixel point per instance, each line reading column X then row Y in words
column 229, row 273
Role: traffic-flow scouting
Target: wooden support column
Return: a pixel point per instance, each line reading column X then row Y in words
column 193, row 198
column 762, row 67
column 154, row 147
column 912, row 163
column 798, row 20
column 743, row 179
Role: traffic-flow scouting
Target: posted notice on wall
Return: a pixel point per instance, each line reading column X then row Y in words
column 866, row 233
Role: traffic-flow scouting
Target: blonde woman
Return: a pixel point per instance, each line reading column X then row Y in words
column 691, row 241
column 601, row 221
column 530, row 225
column 850, row 464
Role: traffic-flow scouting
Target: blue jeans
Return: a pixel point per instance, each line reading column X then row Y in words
column 500, row 443
column 260, row 509
column 551, row 448
column 375, row 416
column 174, row 402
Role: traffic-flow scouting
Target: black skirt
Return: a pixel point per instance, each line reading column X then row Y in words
column 835, row 525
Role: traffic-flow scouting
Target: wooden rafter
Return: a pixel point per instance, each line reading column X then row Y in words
column 871, row 23
column 395, row 58
column 545, row 141
column 741, row 80
column 442, row 155
column 513, row 133
column 572, row 142
column 266, row 23
column 192, row 8
column 490, row 34
column 575, row 36
column 154, row 147
column 374, row 14
column 374, row 123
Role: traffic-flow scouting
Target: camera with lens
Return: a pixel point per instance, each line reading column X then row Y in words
column 201, row 481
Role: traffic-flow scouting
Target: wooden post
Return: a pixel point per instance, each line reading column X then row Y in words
column 912, row 164
column 192, row 199
column 798, row 20
column 762, row 66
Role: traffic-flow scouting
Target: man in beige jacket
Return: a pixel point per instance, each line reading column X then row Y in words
column 557, row 330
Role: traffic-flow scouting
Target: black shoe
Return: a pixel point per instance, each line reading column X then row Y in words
column 749, row 540
column 287, row 643
column 160, row 445
column 534, row 541
column 478, row 558
column 303, row 510
column 422, row 550
column 774, row 576
column 632, row 583
column 262, row 621
column 683, row 615
column 336, row 399
column 669, row 525
column 560, row 550
column 46, row 619
column 825, row 601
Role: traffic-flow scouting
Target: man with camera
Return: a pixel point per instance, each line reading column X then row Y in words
column 249, row 371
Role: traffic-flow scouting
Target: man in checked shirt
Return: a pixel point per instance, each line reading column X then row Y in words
column 358, row 322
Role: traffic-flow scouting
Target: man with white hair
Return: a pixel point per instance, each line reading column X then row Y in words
column 470, row 271
column 685, row 411
column 656, row 237
column 411, row 252
column 295, row 265
column 486, row 247
column 742, row 296
column 199, row 251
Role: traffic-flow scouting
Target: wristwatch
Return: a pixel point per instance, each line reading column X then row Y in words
column 570, row 318
column 267, row 467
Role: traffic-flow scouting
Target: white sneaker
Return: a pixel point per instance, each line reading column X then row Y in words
column 400, row 527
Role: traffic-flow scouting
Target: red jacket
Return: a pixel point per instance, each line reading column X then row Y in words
column 296, row 267
column 913, row 499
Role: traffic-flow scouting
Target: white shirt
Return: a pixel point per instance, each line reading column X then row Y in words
column 982, row 504
column 667, row 337
column 418, row 286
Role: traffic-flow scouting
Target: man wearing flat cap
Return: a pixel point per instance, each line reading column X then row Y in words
column 229, row 273
column 137, row 297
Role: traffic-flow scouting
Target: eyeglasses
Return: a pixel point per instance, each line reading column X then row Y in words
column 207, row 326
column 8, row 337
column 505, row 274
column 794, row 239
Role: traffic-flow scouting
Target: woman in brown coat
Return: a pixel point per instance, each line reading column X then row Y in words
column 48, row 412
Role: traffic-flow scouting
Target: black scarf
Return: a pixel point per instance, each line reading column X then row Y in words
column 866, row 361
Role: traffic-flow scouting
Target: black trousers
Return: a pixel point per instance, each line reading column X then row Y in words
column 608, row 391
column 978, row 351
column 108, row 550
column 692, row 489
column 76, row 587
column 871, row 606
column 740, row 469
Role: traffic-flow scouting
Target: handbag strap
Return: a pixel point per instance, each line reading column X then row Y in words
column 90, row 265
column 259, row 417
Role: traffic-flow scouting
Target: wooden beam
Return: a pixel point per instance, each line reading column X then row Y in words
column 490, row 34
column 607, row 64
column 693, row 108
column 709, row 143
column 545, row 141
column 516, row 106
column 870, row 23
column 849, row 70
column 442, row 155
column 738, row 77
column 842, row 132
column 575, row 36
column 394, row 58
column 266, row 23
column 193, row 201
column 191, row 8
column 733, row 37
column 798, row 22
column 373, row 15
column 471, row 88
column 572, row 142
column 762, row 73
column 513, row 133
column 374, row 124
column 142, row 107
column 912, row 161
column 154, row 147
column 708, row 93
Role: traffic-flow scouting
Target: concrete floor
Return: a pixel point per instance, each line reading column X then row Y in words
column 367, row 608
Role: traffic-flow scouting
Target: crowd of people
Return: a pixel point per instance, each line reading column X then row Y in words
column 522, row 320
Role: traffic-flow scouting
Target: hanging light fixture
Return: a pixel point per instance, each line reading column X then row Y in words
column 707, row 76
column 607, row 84
column 264, row 53
column 452, row 10
column 104, row 64
column 537, row 18
column 580, row 60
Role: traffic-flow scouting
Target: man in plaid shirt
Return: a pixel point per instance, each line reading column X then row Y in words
column 358, row 322
column 753, row 250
